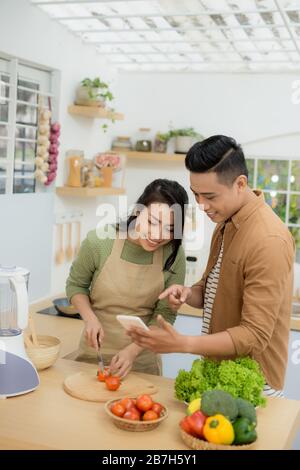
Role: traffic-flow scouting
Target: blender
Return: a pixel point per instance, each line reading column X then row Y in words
column 17, row 373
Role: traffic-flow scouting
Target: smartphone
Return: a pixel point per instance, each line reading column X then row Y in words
column 127, row 321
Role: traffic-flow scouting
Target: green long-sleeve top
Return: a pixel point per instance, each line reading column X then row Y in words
column 91, row 258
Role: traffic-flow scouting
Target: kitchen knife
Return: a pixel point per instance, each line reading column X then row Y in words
column 100, row 358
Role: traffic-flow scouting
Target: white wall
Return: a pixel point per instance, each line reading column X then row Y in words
column 248, row 107
column 251, row 108
column 28, row 33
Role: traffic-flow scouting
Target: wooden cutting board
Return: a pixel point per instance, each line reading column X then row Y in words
column 85, row 386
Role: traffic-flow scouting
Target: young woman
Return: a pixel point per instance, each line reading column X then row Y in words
column 126, row 274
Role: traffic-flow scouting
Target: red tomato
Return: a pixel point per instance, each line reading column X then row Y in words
column 157, row 408
column 186, row 426
column 112, row 383
column 197, row 421
column 144, row 402
column 102, row 375
column 132, row 414
column 135, row 409
column 118, row 409
column 128, row 403
column 150, row 415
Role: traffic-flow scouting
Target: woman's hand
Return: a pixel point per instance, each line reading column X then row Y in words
column 93, row 331
column 122, row 362
column 177, row 295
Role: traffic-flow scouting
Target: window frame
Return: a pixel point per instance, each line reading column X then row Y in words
column 288, row 192
column 19, row 70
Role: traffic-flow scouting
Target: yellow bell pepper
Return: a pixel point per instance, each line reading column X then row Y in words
column 219, row 430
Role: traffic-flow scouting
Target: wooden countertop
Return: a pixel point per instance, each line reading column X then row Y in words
column 48, row 418
column 184, row 310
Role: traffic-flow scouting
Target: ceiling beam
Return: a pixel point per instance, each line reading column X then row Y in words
column 165, row 14
column 184, row 41
column 288, row 25
column 202, row 29
column 242, row 62
column 195, row 52
column 82, row 2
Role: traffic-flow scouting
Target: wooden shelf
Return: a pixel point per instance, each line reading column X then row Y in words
column 158, row 157
column 88, row 192
column 94, row 112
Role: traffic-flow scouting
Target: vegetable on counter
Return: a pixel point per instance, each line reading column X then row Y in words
column 219, row 430
column 244, row 431
column 102, row 375
column 112, row 383
column 219, row 402
column 222, row 419
column 193, row 424
column 141, row 409
column 241, row 377
column 194, row 405
column 246, row 410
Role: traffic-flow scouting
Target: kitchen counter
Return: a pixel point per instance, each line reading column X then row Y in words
column 48, row 418
column 184, row 310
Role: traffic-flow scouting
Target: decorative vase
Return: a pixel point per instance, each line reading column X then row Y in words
column 107, row 174
column 183, row 143
column 160, row 146
column 86, row 96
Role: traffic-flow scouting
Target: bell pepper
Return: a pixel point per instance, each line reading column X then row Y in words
column 244, row 431
column 219, row 430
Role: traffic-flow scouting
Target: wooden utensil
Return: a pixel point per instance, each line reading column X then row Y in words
column 86, row 386
column 33, row 331
column 59, row 258
column 77, row 248
column 27, row 341
column 69, row 250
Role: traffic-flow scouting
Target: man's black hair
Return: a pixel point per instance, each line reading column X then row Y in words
column 219, row 154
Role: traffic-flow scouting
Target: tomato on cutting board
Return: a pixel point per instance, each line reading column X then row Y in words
column 102, row 375
column 113, row 383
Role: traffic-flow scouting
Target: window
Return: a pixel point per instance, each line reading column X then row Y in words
column 280, row 182
column 22, row 89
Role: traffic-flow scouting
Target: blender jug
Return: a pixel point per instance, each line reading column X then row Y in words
column 13, row 300
column 17, row 373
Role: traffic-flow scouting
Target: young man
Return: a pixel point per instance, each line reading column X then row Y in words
column 246, row 289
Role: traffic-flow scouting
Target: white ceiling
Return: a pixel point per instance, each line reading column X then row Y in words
column 187, row 35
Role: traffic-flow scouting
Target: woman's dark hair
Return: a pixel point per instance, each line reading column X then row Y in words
column 219, row 154
column 166, row 192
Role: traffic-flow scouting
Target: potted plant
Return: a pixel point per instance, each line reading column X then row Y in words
column 184, row 138
column 107, row 163
column 161, row 142
column 93, row 93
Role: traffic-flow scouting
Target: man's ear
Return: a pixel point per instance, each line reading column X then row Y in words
column 242, row 182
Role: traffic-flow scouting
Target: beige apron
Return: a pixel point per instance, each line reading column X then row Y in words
column 124, row 288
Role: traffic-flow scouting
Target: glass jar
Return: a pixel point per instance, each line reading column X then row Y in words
column 143, row 143
column 121, row 143
column 75, row 161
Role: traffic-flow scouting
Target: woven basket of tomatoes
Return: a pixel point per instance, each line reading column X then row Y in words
column 136, row 414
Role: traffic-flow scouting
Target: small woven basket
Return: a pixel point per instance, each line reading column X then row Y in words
column 199, row 444
column 135, row 426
